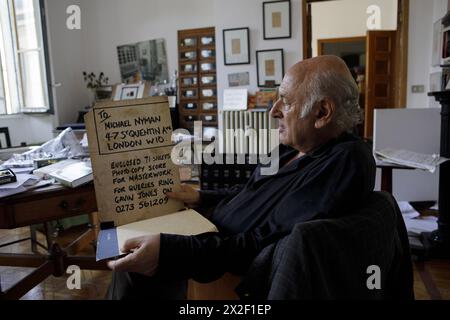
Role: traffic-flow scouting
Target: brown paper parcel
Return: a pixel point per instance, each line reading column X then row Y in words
column 130, row 147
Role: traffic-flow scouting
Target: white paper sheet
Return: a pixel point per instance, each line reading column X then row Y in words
column 411, row 159
column 417, row 226
column 235, row 99
column 408, row 212
column 22, row 180
column 10, row 192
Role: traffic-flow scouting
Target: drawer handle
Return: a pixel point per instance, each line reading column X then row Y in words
column 78, row 206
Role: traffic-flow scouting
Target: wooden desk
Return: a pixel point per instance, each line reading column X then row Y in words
column 46, row 204
column 41, row 206
column 56, row 202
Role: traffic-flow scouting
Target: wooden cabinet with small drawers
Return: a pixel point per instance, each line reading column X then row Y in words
column 197, row 77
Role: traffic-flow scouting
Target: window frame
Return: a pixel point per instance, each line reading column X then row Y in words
column 48, row 70
column 20, row 109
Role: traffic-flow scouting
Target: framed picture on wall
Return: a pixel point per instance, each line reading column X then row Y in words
column 236, row 46
column 270, row 67
column 277, row 19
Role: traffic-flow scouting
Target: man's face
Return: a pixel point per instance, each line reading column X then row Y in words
column 295, row 131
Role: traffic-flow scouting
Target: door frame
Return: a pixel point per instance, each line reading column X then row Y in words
column 401, row 59
column 321, row 42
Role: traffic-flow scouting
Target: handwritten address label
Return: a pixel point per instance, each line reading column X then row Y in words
column 132, row 128
column 130, row 148
column 141, row 183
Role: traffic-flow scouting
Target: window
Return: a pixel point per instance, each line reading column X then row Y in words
column 23, row 78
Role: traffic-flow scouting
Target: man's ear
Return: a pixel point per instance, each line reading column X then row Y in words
column 324, row 113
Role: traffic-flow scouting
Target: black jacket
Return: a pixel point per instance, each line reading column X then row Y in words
column 328, row 182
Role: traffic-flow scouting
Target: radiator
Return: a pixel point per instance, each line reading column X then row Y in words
column 247, row 132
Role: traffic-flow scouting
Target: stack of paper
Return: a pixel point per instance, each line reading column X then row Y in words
column 45, row 172
column 411, row 159
column 74, row 175
column 407, row 210
column 24, row 183
column 415, row 224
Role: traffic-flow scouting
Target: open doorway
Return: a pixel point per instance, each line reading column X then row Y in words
column 353, row 52
column 377, row 58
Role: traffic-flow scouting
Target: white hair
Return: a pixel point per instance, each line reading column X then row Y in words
column 342, row 90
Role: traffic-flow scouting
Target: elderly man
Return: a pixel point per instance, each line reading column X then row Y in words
column 325, row 172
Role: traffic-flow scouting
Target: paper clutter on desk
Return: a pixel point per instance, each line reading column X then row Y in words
column 66, row 145
column 24, row 183
column 407, row 210
column 415, row 223
column 417, row 226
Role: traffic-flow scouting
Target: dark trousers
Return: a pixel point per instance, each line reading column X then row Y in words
column 132, row 286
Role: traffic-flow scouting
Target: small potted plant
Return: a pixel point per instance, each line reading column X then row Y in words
column 98, row 85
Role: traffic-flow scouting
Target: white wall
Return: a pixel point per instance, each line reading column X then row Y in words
column 67, row 58
column 110, row 23
column 423, row 14
column 237, row 14
column 106, row 24
column 420, row 44
column 348, row 18
column 28, row 129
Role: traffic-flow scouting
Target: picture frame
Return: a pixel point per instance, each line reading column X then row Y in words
column 270, row 67
column 236, row 46
column 129, row 91
column 240, row 79
column 143, row 61
column 437, row 43
column 277, row 22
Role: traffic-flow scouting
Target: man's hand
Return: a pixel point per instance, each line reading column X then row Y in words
column 188, row 195
column 144, row 256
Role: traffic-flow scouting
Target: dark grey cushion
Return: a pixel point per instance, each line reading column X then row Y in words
column 329, row 259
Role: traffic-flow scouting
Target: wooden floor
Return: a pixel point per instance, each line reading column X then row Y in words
column 94, row 284
column 431, row 279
